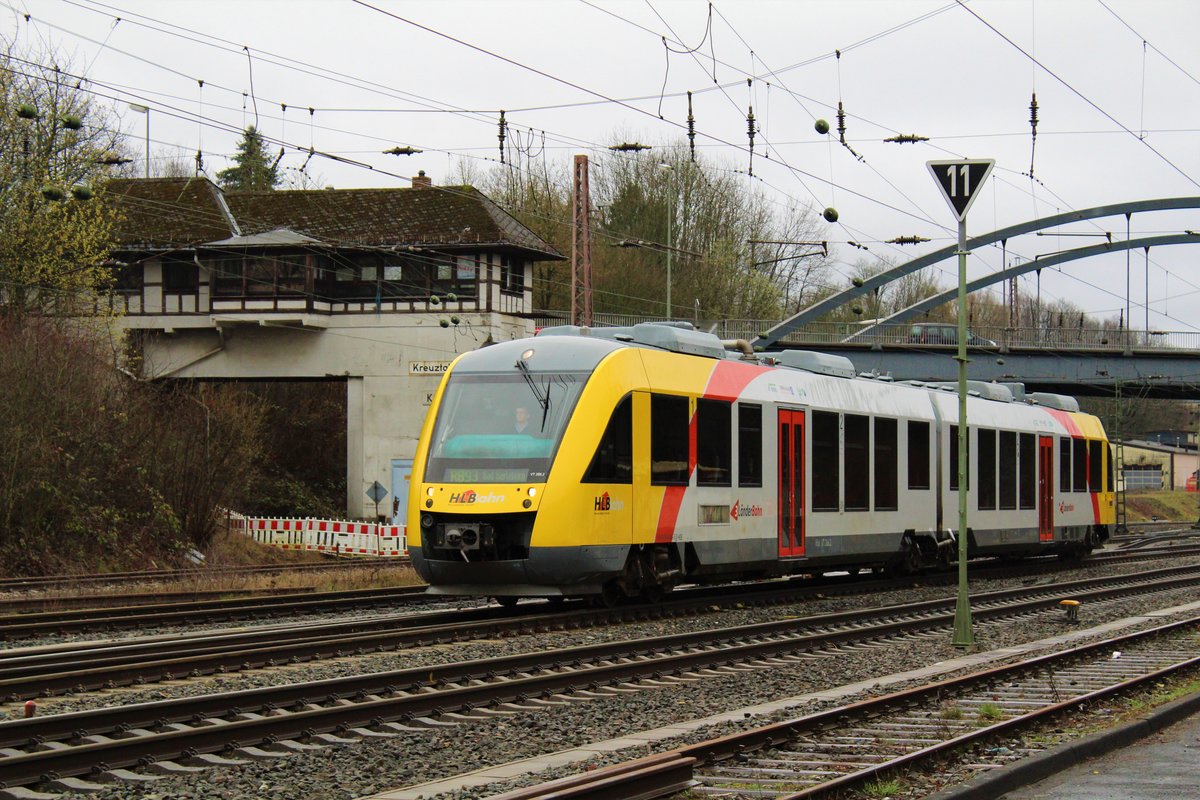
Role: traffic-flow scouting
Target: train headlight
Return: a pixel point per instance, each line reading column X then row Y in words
column 427, row 521
column 532, row 491
column 528, row 354
column 526, row 503
column 429, row 491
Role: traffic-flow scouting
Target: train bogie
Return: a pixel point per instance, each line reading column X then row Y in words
column 621, row 462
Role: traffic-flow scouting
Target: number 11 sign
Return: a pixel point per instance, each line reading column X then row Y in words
column 960, row 182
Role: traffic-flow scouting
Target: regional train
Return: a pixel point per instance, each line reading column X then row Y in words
column 620, row 462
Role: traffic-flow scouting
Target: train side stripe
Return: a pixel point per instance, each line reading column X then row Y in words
column 1067, row 421
column 729, row 378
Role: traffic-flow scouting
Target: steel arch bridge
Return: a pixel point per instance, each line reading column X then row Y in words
column 771, row 337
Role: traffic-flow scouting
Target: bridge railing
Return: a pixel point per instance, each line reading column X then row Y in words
column 901, row 334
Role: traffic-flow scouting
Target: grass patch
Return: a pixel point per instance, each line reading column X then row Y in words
column 951, row 711
column 1142, row 506
column 883, row 788
column 990, row 712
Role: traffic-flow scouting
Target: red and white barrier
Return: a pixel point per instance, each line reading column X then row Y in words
column 336, row 537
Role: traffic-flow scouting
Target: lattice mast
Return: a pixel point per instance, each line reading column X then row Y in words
column 581, row 245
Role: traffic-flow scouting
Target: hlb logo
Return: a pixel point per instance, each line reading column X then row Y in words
column 603, row 503
column 464, row 497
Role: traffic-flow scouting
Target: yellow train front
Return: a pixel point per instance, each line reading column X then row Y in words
column 618, row 462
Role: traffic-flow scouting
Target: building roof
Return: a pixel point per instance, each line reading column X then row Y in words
column 170, row 212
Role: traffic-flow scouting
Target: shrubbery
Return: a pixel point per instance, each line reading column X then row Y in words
column 100, row 471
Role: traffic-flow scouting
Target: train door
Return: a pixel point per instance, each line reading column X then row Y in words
column 1045, row 488
column 791, row 482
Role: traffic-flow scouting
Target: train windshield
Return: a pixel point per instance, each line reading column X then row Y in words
column 501, row 428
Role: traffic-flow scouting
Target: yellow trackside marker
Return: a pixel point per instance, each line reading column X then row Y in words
column 1072, row 609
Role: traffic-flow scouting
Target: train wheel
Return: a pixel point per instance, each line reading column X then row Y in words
column 507, row 602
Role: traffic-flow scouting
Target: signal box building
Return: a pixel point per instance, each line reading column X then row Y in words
column 379, row 288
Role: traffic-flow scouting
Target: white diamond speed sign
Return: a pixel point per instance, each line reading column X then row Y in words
column 960, row 182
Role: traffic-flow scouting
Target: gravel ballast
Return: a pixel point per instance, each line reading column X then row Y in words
column 369, row 766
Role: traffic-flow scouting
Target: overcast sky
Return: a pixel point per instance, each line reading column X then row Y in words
column 1118, row 89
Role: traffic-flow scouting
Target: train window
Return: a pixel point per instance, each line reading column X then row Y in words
column 1064, row 464
column 749, row 445
column 1095, row 467
column 857, row 465
column 825, row 475
column 714, row 443
column 669, row 437
column 985, row 446
column 1111, row 485
column 1028, row 470
column 885, row 464
column 1008, row 469
column 613, row 460
column 918, row 455
column 954, row 459
column 1079, row 466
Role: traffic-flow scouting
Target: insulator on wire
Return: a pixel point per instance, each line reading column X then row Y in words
column 751, row 128
column 841, row 123
column 629, row 147
column 907, row 240
column 502, row 135
column 691, row 128
column 907, row 138
column 1033, row 123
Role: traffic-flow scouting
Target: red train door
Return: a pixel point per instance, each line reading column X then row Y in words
column 1045, row 488
column 791, row 482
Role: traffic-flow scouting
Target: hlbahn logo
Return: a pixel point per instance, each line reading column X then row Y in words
column 606, row 503
column 471, row 496
column 738, row 510
column 1065, row 507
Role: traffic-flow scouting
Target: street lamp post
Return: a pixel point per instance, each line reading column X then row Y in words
column 144, row 110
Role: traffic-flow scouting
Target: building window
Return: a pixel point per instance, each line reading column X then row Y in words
column 918, row 455
column 825, row 463
column 985, row 445
column 1008, row 470
column 885, row 464
column 180, row 275
column 714, row 443
column 1028, row 468
column 613, row 459
column 512, row 275
column 669, row 429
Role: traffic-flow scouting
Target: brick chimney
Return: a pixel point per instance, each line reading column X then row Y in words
column 420, row 181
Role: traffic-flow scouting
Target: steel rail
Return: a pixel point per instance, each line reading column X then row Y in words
column 28, row 675
column 462, row 687
column 160, row 575
column 22, row 625
column 739, row 746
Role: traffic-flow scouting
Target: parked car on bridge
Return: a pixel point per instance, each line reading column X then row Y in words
column 943, row 333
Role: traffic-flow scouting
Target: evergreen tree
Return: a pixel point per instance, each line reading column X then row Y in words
column 253, row 169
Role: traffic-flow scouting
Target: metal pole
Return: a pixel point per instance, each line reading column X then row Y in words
column 670, row 244
column 963, row 636
column 147, row 143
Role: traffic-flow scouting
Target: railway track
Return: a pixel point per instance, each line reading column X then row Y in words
column 28, row 673
column 93, row 620
column 270, row 722
column 176, row 575
column 16, row 626
column 828, row 752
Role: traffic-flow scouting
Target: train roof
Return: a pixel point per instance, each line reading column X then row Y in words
column 682, row 337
